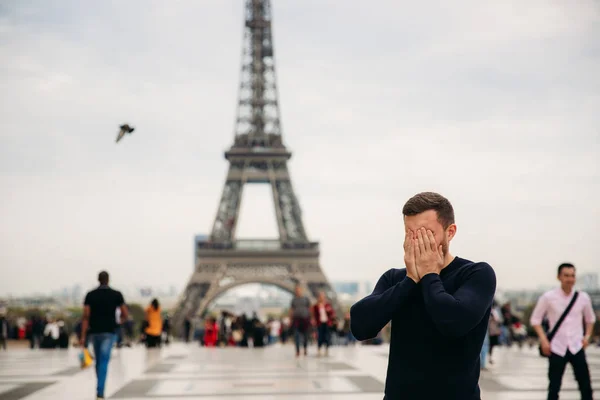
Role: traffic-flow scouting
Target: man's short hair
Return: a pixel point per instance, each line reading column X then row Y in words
column 426, row 201
column 563, row 266
column 103, row 278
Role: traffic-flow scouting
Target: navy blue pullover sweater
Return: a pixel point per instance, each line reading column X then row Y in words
column 438, row 328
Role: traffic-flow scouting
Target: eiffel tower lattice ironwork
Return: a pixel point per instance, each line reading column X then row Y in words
column 258, row 155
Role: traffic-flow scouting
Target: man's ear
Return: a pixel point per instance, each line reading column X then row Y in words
column 451, row 231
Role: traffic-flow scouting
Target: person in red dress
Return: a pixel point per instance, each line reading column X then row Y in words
column 211, row 332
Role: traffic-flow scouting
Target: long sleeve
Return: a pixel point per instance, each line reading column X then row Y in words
column 456, row 315
column 539, row 311
column 369, row 315
column 588, row 310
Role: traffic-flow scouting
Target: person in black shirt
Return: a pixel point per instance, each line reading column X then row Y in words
column 99, row 316
column 439, row 306
column 4, row 330
column 187, row 330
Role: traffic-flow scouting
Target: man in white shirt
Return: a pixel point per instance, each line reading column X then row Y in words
column 274, row 329
column 52, row 332
column 570, row 341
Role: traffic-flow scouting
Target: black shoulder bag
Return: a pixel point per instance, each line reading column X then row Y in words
column 559, row 322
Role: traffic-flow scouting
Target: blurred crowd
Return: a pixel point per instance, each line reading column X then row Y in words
column 243, row 330
column 214, row 329
column 45, row 332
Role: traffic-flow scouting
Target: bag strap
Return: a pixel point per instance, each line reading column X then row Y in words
column 562, row 317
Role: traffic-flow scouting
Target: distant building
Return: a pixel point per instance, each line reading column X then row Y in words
column 40, row 301
column 595, row 296
column 354, row 289
column 77, row 295
column 588, row 281
column 349, row 288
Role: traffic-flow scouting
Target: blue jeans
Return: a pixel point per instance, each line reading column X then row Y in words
column 484, row 351
column 103, row 344
column 505, row 336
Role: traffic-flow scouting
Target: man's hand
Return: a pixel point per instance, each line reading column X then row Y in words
column 545, row 344
column 585, row 342
column 429, row 255
column 409, row 257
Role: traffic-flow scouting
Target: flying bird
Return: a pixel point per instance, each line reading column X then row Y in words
column 124, row 129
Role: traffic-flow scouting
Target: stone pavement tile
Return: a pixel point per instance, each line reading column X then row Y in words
column 345, row 396
column 7, row 387
column 234, row 372
column 20, row 391
column 252, row 386
column 533, row 395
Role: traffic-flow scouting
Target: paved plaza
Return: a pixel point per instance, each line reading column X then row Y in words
column 189, row 372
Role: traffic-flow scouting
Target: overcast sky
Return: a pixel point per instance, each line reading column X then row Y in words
column 494, row 104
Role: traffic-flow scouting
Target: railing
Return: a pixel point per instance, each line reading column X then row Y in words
column 256, row 245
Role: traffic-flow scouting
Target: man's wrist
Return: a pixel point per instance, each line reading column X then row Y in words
column 425, row 273
column 428, row 278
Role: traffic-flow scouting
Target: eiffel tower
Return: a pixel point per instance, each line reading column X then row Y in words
column 257, row 155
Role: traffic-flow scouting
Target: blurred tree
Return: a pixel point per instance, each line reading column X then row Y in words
column 138, row 314
column 527, row 311
column 75, row 312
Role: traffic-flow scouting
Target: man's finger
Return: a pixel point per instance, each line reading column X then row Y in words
column 432, row 242
column 416, row 248
column 429, row 245
column 421, row 241
column 407, row 239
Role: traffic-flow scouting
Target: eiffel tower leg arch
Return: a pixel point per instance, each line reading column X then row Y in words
column 204, row 305
column 255, row 266
column 253, row 261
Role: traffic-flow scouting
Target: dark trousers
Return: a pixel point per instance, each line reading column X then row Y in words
column 152, row 341
column 494, row 341
column 301, row 326
column 35, row 340
column 187, row 331
column 119, row 335
column 556, row 369
column 3, row 343
column 323, row 335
